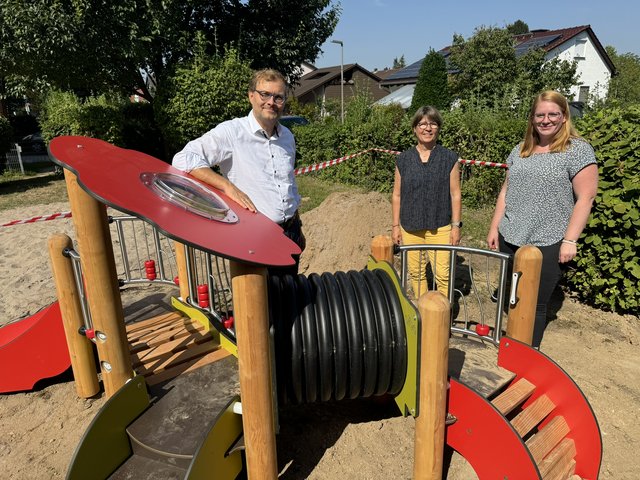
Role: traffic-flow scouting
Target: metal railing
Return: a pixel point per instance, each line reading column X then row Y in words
column 466, row 265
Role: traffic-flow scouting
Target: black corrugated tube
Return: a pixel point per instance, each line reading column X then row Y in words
column 337, row 335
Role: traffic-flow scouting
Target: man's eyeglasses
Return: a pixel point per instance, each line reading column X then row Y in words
column 277, row 98
column 553, row 116
column 424, row 125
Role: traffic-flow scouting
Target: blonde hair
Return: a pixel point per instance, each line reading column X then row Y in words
column 562, row 138
column 266, row 75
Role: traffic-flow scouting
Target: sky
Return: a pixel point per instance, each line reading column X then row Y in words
column 374, row 32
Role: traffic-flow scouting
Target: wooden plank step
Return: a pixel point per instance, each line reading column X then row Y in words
column 169, row 373
column 151, row 332
column 513, row 396
column 566, row 473
column 532, row 415
column 475, row 363
column 547, row 438
column 145, row 324
column 153, row 353
column 558, row 459
column 165, row 335
column 170, row 359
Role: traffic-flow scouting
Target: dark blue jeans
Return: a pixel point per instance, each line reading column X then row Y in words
column 549, row 277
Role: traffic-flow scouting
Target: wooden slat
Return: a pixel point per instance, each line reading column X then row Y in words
column 179, row 344
column 145, row 324
column 547, row 438
column 153, row 379
column 154, row 330
column 566, row 473
column 532, row 415
column 513, row 396
column 558, row 459
column 157, row 338
column 171, row 359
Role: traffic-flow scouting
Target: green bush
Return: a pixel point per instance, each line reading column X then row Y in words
column 110, row 118
column 483, row 135
column 366, row 126
column 63, row 113
column 199, row 95
column 607, row 270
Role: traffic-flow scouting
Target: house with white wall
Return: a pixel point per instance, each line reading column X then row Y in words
column 579, row 44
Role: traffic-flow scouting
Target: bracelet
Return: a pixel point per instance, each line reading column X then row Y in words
column 396, row 225
column 572, row 242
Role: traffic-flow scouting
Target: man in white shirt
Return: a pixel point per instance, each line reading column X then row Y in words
column 255, row 154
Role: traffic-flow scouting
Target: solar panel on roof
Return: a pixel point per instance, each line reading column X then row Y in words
column 538, row 42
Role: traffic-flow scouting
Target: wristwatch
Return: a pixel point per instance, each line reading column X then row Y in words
column 456, row 224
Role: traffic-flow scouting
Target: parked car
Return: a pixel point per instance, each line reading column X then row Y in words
column 33, row 144
column 293, row 121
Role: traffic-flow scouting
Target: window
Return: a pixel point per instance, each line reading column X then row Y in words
column 583, row 96
column 580, row 48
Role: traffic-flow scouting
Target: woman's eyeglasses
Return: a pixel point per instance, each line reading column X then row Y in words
column 277, row 99
column 425, row 125
column 553, row 116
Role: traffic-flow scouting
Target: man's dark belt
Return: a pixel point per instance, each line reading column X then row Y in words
column 287, row 224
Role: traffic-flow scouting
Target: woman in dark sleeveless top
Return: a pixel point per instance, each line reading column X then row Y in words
column 426, row 200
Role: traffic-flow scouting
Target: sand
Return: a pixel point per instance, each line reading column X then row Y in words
column 39, row 430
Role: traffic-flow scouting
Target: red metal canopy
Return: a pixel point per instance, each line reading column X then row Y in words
column 112, row 175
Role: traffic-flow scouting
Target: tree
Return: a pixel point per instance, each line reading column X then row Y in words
column 488, row 73
column 200, row 94
column 94, row 46
column 535, row 74
column 432, row 86
column 399, row 62
column 517, row 28
column 484, row 66
column 624, row 87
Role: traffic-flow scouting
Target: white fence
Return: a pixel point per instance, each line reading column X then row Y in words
column 16, row 160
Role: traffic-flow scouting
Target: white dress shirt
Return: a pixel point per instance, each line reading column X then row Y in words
column 259, row 165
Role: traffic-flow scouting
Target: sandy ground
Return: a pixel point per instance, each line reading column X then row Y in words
column 39, row 430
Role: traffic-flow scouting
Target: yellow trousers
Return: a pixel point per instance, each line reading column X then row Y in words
column 439, row 260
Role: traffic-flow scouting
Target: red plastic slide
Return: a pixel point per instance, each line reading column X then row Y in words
column 33, row 349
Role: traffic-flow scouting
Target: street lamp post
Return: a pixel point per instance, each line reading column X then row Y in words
column 339, row 42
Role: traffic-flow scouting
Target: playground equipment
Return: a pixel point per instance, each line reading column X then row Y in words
column 32, row 349
column 341, row 335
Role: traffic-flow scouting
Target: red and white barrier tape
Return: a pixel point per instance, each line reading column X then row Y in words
column 297, row 171
column 483, row 163
column 41, row 218
column 319, row 166
column 335, row 161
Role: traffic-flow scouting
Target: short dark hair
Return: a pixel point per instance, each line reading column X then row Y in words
column 432, row 113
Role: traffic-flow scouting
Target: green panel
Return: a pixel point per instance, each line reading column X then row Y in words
column 407, row 399
column 210, row 461
column 105, row 445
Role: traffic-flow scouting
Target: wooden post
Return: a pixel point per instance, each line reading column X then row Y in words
column 183, row 277
column 80, row 348
column 382, row 248
column 101, row 283
column 434, row 365
column 528, row 262
column 250, row 311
